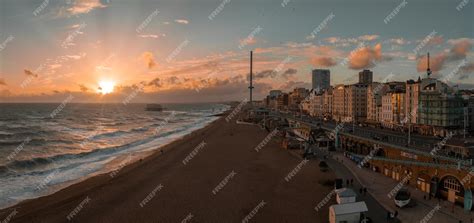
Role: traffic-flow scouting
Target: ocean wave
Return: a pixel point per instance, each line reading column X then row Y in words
column 4, row 133
column 38, row 162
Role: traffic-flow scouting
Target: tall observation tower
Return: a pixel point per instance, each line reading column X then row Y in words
column 251, row 74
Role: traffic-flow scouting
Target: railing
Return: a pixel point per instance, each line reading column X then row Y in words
column 415, row 163
column 464, row 163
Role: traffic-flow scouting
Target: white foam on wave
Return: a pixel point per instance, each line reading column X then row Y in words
column 19, row 187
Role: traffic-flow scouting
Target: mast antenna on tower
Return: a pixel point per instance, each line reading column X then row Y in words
column 428, row 70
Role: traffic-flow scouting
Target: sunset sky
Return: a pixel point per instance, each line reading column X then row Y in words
column 198, row 50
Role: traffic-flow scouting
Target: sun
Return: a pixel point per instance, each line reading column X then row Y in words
column 106, row 87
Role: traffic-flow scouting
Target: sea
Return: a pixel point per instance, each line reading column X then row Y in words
column 46, row 147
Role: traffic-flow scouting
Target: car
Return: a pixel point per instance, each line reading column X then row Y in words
column 402, row 198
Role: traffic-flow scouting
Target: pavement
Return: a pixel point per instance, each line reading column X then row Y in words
column 379, row 186
column 376, row 211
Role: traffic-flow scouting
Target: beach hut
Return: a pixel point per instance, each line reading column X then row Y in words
column 345, row 195
column 347, row 213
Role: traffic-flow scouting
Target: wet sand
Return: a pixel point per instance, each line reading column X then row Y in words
column 160, row 188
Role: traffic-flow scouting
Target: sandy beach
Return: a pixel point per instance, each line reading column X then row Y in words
column 211, row 175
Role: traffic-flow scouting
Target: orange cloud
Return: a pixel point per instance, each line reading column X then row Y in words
column 366, row 57
column 149, row 59
column 460, row 48
column 84, row 6
column 83, row 88
column 29, row 73
column 457, row 52
column 319, row 61
column 436, row 63
column 2, row 82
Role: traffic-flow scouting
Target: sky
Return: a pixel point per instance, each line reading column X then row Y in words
column 198, row 50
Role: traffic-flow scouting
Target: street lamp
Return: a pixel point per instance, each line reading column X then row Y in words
column 465, row 121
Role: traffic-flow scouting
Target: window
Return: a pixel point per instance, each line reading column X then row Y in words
column 452, row 183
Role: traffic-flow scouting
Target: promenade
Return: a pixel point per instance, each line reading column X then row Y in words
column 379, row 186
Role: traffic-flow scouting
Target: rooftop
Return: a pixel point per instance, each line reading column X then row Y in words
column 349, row 208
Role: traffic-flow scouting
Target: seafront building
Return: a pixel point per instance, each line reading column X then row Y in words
column 321, row 79
column 356, row 102
column 366, row 77
column 439, row 167
column 426, row 106
column 375, row 91
column 393, row 105
column 412, row 100
column 296, row 97
column 441, row 109
column 340, row 111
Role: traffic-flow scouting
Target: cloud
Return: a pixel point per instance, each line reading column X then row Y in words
column 321, row 61
column 5, row 93
column 368, row 37
column 273, row 73
column 154, row 36
column 458, row 52
column 75, row 26
column 155, row 83
column 398, row 41
column 350, row 41
column 84, row 6
column 295, row 84
column 103, row 68
column 29, row 73
column 366, row 57
column 460, row 49
column 2, row 81
column 466, row 71
column 75, row 57
column 437, row 63
column 181, row 21
column 83, row 88
column 289, row 72
column 468, row 67
column 149, row 59
column 436, row 40
column 265, row 74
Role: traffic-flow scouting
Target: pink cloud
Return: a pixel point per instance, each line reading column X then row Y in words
column 458, row 51
column 366, row 57
column 436, row 63
column 84, row 6
column 320, row 61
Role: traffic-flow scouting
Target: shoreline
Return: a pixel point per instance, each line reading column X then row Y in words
column 183, row 184
column 111, row 167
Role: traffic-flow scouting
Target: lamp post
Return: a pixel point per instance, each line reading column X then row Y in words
column 465, row 121
column 409, row 133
